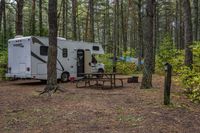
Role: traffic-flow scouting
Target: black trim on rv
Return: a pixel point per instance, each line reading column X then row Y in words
column 37, row 57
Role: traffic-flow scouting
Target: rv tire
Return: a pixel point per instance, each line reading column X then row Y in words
column 65, row 77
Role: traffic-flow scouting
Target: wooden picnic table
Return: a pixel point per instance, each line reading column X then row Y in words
column 99, row 77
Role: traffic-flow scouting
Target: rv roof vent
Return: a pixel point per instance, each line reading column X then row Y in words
column 18, row 36
column 61, row 38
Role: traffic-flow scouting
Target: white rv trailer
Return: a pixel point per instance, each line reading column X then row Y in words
column 27, row 58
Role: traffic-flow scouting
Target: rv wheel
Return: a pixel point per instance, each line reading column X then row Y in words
column 65, row 77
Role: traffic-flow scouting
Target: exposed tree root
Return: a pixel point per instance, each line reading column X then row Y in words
column 52, row 89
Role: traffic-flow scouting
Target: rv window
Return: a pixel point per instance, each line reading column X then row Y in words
column 65, row 53
column 44, row 50
column 96, row 48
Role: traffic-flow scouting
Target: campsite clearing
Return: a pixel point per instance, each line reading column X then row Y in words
column 79, row 110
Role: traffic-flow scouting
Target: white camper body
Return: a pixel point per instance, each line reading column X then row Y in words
column 27, row 58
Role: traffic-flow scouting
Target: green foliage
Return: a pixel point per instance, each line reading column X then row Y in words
column 3, row 62
column 122, row 67
column 189, row 78
column 196, row 56
column 167, row 53
column 126, row 67
column 191, row 81
column 130, row 52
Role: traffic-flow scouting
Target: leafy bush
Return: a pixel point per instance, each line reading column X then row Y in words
column 191, row 81
column 167, row 53
column 189, row 78
column 122, row 67
column 3, row 62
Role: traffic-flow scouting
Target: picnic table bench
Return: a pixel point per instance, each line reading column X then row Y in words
column 99, row 80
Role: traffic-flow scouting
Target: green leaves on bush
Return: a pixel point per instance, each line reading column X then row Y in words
column 167, row 53
column 122, row 66
column 189, row 78
column 3, row 62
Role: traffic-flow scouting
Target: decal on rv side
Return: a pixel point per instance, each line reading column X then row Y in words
column 18, row 45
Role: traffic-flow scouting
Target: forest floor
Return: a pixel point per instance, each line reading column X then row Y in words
column 88, row 110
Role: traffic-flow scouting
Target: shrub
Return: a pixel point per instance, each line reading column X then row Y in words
column 191, row 78
column 3, row 63
column 122, row 67
column 167, row 53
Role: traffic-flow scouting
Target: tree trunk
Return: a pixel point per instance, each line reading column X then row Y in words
column 52, row 50
column 40, row 18
column 115, row 33
column 148, row 37
column 33, row 18
column 181, row 26
column 188, row 33
column 91, row 12
column 4, row 24
column 86, row 27
column 140, row 35
column 1, row 11
column 74, row 23
column 154, row 37
column 176, row 28
column 196, row 19
column 124, row 27
column 108, row 28
column 63, row 18
column 66, row 19
column 19, row 17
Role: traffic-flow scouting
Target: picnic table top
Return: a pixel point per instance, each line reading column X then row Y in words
column 99, row 73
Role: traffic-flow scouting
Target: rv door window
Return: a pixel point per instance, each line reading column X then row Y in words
column 44, row 50
column 65, row 53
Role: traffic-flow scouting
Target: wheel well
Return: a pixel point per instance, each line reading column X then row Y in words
column 65, row 72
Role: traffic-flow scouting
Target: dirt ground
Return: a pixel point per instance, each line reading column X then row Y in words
column 89, row 110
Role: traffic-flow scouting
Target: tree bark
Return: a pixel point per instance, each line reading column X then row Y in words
column 66, row 19
column 140, row 35
column 40, row 18
column 74, row 23
column 33, row 18
column 181, row 26
column 124, row 27
column 188, row 33
column 4, row 24
column 196, row 19
column 148, row 37
column 52, row 50
column 19, row 17
column 1, row 12
column 91, row 12
column 154, row 37
column 176, row 27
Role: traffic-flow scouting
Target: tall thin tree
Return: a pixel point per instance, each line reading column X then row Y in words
column 33, row 18
column 40, row 18
column 19, row 17
column 188, row 33
column 74, row 20
column 196, row 19
column 1, row 12
column 140, row 34
column 91, row 12
column 148, row 42
column 52, row 49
